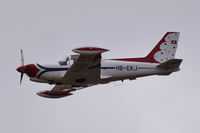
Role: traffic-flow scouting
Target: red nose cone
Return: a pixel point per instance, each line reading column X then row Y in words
column 21, row 69
column 31, row 70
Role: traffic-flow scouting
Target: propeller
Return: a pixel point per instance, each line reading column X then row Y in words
column 31, row 70
column 22, row 58
column 22, row 74
column 22, row 66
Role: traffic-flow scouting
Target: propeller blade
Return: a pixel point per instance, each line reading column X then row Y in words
column 22, row 74
column 22, row 58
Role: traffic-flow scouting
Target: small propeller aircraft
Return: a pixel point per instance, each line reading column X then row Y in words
column 87, row 68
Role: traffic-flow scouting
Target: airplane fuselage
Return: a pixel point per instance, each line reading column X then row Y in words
column 110, row 70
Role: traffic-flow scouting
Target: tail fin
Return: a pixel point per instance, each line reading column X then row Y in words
column 165, row 49
column 162, row 52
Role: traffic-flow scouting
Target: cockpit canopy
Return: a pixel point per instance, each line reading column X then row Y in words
column 69, row 60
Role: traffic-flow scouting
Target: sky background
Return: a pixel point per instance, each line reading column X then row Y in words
column 48, row 30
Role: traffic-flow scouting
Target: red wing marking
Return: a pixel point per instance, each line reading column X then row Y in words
column 91, row 49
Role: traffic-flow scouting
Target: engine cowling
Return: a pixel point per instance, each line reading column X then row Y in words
column 47, row 94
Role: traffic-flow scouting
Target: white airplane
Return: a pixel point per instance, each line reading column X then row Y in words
column 88, row 68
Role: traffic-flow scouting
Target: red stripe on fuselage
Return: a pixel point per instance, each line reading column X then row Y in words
column 145, row 59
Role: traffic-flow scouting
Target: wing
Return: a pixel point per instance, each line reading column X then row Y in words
column 86, row 69
column 85, row 72
column 59, row 91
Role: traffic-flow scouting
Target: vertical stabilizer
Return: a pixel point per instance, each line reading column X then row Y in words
column 165, row 49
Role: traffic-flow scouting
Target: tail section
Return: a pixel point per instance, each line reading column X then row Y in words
column 165, row 49
column 169, row 66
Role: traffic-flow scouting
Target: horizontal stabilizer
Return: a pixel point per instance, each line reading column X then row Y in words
column 172, row 63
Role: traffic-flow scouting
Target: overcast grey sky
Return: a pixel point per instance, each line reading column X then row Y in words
column 47, row 30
